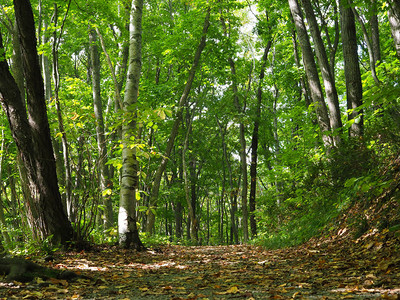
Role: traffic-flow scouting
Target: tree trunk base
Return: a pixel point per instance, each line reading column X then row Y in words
column 133, row 241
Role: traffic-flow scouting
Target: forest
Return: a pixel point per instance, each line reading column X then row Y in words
column 199, row 149
column 196, row 122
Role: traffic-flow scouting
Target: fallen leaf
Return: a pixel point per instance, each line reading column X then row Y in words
column 232, row 290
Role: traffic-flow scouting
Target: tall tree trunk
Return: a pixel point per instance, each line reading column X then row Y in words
column 187, row 184
column 31, row 133
column 305, row 91
column 327, row 75
column 3, row 223
column 368, row 42
column 178, row 119
column 351, row 69
column 394, row 21
column 254, row 144
column 312, row 73
column 44, row 59
column 105, row 182
column 17, row 66
column 127, row 227
column 242, row 153
column 332, row 44
column 233, row 190
column 375, row 36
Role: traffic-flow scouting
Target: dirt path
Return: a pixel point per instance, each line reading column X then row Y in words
column 365, row 270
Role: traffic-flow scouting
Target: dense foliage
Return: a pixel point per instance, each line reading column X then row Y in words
column 251, row 74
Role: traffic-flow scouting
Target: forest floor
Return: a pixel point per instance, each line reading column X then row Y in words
column 332, row 268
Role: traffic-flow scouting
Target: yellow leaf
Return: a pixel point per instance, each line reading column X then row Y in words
column 107, row 192
column 39, row 280
column 232, row 290
column 33, row 295
column 76, row 116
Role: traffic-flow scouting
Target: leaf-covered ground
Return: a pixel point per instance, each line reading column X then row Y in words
column 365, row 269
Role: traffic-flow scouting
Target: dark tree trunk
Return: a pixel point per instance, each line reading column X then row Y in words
column 351, row 69
column 375, row 32
column 254, row 146
column 312, row 73
column 32, row 134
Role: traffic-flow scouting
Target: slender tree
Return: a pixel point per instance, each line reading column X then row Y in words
column 375, row 36
column 105, row 182
column 254, row 143
column 127, row 227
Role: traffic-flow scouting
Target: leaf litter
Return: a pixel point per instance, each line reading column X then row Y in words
column 340, row 269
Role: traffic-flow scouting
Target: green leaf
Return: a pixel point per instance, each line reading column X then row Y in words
column 350, row 182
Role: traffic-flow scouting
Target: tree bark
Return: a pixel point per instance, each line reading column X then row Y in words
column 187, row 184
column 242, row 154
column 375, row 36
column 127, row 227
column 327, row 75
column 32, row 134
column 368, row 41
column 312, row 73
column 351, row 69
column 254, row 145
column 332, row 44
column 17, row 66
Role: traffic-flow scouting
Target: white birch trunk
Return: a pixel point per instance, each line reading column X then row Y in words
column 127, row 228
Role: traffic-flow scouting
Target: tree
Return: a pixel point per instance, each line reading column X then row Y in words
column 127, row 227
column 351, row 69
column 326, row 71
column 375, row 36
column 105, row 182
column 371, row 47
column 312, row 73
column 30, row 130
column 254, row 144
